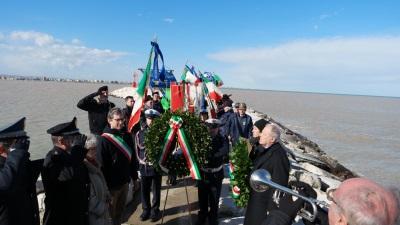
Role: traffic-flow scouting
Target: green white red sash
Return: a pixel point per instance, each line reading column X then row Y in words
column 175, row 124
column 235, row 189
column 120, row 144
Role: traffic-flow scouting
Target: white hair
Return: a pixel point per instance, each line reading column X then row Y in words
column 275, row 132
column 363, row 208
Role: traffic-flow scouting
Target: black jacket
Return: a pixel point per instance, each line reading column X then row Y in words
column 67, row 187
column 275, row 160
column 21, row 199
column 220, row 150
column 117, row 169
column 9, row 169
column 97, row 112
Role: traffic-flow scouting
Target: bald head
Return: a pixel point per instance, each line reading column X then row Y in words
column 360, row 201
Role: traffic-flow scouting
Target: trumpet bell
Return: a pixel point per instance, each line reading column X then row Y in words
column 259, row 179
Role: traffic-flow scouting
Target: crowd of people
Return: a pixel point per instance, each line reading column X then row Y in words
column 86, row 178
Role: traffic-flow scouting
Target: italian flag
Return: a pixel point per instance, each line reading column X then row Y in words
column 140, row 92
column 214, row 92
column 189, row 76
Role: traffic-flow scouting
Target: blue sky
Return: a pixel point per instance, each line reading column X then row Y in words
column 346, row 47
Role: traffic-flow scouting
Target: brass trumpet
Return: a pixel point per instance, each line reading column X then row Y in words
column 260, row 181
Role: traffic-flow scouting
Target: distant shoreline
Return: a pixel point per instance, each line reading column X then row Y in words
column 54, row 79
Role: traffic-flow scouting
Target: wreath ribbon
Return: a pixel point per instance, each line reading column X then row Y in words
column 175, row 124
column 235, row 189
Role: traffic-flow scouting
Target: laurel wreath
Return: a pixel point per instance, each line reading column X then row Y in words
column 197, row 136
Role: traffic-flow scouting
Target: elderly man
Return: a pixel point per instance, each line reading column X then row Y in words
column 97, row 109
column 118, row 161
column 361, row 201
column 18, row 175
column 65, row 177
column 272, row 157
column 357, row 201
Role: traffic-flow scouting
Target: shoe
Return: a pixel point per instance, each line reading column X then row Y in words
column 145, row 216
column 155, row 215
column 201, row 219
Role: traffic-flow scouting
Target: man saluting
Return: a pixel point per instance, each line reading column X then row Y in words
column 97, row 109
column 65, row 177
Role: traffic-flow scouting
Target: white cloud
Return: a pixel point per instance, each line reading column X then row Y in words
column 76, row 41
column 168, row 20
column 324, row 65
column 35, row 52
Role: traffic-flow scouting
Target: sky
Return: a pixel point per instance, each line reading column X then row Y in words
column 340, row 47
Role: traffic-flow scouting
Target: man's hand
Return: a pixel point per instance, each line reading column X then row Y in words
column 79, row 140
column 22, row 144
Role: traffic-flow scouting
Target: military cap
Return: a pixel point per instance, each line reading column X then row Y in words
column 151, row 113
column 213, row 123
column 64, row 129
column 14, row 130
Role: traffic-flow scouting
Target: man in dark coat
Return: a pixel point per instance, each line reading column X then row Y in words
column 209, row 187
column 65, row 177
column 97, row 109
column 240, row 125
column 18, row 175
column 273, row 158
column 157, row 103
column 150, row 178
column 118, row 162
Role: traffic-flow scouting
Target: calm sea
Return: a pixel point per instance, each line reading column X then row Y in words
column 361, row 132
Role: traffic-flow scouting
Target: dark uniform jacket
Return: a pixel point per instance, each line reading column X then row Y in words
column 226, row 120
column 240, row 126
column 117, row 169
column 97, row 112
column 66, row 183
column 220, row 150
column 158, row 106
column 145, row 168
column 274, row 159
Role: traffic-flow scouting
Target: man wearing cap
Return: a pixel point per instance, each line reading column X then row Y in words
column 240, row 125
column 209, row 187
column 18, row 175
column 97, row 109
column 65, row 177
column 118, row 162
column 226, row 119
column 150, row 178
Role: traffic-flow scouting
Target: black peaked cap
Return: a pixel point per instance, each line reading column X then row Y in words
column 64, row 129
column 13, row 130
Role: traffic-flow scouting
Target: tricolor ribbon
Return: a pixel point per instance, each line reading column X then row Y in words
column 175, row 124
column 235, row 189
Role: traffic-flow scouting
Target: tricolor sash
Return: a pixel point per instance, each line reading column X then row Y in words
column 120, row 144
column 175, row 124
